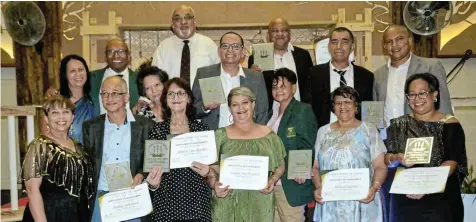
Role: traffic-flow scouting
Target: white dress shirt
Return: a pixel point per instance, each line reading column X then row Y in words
column 335, row 81
column 228, row 82
column 110, row 72
column 395, row 99
column 287, row 61
column 168, row 55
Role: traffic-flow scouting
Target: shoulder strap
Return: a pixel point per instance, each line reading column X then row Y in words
column 446, row 118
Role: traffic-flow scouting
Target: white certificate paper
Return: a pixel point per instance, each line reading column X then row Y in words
column 195, row 146
column 346, row 184
column 125, row 204
column 420, row 180
column 244, row 172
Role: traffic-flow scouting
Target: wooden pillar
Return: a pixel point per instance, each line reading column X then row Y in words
column 37, row 67
column 424, row 46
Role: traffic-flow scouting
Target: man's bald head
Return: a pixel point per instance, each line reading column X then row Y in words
column 400, row 28
column 116, row 81
column 116, row 41
column 277, row 21
column 183, row 8
column 279, row 33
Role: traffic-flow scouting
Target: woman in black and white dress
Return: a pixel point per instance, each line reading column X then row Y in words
column 183, row 194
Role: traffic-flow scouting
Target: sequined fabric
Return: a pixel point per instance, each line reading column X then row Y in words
column 63, row 167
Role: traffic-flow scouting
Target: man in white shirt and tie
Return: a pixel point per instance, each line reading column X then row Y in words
column 183, row 53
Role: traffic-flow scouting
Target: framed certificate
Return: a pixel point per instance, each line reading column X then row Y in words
column 345, row 184
column 299, row 164
column 125, row 204
column 194, row 146
column 372, row 112
column 244, row 172
column 418, row 150
column 212, row 90
column 264, row 56
column 118, row 175
column 156, row 153
column 420, row 180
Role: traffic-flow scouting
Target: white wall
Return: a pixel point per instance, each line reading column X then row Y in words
column 9, row 97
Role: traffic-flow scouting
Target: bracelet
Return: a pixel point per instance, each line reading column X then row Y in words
column 151, row 187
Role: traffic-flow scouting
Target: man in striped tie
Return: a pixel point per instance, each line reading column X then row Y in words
column 338, row 72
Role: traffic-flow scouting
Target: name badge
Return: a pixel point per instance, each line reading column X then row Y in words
column 291, row 132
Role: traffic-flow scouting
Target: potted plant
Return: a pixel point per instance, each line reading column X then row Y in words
column 468, row 193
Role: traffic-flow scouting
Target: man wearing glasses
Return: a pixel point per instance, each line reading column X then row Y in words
column 390, row 78
column 232, row 75
column 117, row 56
column 115, row 137
column 286, row 56
column 183, row 53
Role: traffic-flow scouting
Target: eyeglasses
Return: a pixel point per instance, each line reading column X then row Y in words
column 119, row 52
column 179, row 94
column 422, row 95
column 276, row 31
column 346, row 103
column 186, row 18
column 234, row 46
column 113, row 95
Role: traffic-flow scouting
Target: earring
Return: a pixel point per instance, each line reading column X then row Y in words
column 230, row 118
column 356, row 111
column 436, row 100
column 47, row 128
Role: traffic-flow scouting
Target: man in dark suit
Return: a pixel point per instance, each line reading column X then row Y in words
column 288, row 56
column 117, row 136
column 232, row 75
column 338, row 72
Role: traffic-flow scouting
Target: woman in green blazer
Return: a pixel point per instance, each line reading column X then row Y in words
column 296, row 125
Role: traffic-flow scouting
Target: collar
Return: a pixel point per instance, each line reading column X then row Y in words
column 346, row 68
column 123, row 73
column 240, row 71
column 129, row 117
column 407, row 63
column 179, row 41
column 290, row 48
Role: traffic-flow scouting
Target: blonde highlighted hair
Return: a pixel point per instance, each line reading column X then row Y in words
column 241, row 91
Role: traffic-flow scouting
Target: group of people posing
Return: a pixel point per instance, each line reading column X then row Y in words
column 105, row 116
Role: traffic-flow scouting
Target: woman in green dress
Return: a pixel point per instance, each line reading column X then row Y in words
column 245, row 137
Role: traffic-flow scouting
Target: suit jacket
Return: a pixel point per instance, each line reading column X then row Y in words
column 297, row 117
column 417, row 65
column 321, row 89
column 303, row 62
column 93, row 137
column 96, row 82
column 254, row 81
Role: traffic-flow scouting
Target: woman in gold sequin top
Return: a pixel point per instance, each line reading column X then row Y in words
column 57, row 171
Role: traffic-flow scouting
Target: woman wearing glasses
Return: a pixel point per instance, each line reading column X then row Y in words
column 183, row 194
column 422, row 92
column 348, row 144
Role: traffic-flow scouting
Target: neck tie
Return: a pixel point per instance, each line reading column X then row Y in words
column 185, row 64
column 342, row 79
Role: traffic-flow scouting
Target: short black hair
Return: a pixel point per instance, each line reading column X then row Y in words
column 432, row 81
column 63, row 74
column 148, row 71
column 346, row 92
column 234, row 33
column 342, row 29
column 285, row 73
column 181, row 83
